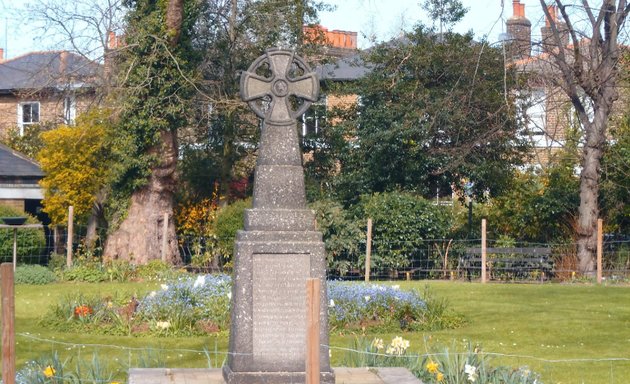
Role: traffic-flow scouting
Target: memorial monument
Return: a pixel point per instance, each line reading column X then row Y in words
column 279, row 248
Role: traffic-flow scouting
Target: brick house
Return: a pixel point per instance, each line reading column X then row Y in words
column 342, row 66
column 49, row 87
column 547, row 112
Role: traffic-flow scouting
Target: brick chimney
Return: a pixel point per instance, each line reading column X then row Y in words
column 519, row 29
column 548, row 41
column 340, row 43
column 113, row 41
column 1, row 55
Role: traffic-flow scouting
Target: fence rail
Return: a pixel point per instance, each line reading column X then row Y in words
column 451, row 259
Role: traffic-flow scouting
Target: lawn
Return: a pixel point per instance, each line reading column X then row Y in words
column 567, row 333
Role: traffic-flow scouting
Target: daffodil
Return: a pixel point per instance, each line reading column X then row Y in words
column 49, row 372
column 471, row 371
column 439, row 376
column 432, row 366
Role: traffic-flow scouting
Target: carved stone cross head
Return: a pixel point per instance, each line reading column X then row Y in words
column 279, row 86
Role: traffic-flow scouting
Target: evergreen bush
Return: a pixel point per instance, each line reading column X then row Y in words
column 30, row 242
column 34, row 274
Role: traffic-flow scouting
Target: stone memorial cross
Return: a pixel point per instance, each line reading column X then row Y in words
column 279, row 248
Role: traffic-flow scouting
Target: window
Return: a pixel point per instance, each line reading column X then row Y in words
column 28, row 113
column 314, row 118
column 69, row 109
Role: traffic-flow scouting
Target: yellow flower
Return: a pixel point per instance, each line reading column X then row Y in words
column 49, row 371
column 432, row 366
column 439, row 376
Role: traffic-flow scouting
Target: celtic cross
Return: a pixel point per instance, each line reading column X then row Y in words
column 280, row 85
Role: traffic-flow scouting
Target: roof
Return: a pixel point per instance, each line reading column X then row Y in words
column 49, row 69
column 344, row 69
column 13, row 164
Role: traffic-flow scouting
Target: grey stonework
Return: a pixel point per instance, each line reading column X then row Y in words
column 279, row 248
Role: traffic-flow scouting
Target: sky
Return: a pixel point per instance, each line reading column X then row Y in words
column 381, row 18
column 385, row 17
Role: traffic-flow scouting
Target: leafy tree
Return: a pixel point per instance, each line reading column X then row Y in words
column 538, row 206
column 446, row 12
column 232, row 35
column 587, row 71
column 76, row 161
column 433, row 111
column 28, row 143
column 156, row 72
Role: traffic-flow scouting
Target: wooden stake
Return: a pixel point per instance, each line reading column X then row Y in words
column 600, row 249
column 164, row 236
column 312, row 330
column 8, row 323
column 70, row 236
column 484, row 251
column 14, row 248
column 368, row 249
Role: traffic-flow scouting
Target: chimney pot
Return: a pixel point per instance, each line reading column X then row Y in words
column 112, row 40
column 552, row 13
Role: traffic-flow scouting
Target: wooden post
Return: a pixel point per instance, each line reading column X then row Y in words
column 600, row 249
column 14, row 248
column 164, row 236
column 484, row 250
column 312, row 330
column 8, row 323
column 70, row 236
column 368, row 249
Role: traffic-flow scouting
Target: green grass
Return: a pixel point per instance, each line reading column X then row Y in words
column 560, row 331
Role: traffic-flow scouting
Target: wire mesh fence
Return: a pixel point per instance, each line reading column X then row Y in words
column 446, row 259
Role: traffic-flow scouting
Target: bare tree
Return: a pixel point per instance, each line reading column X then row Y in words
column 587, row 71
column 80, row 26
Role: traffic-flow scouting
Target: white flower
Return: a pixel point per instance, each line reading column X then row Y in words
column 396, row 287
column 152, row 294
column 163, row 324
column 377, row 343
column 367, row 298
column 164, row 287
column 471, row 371
column 229, row 295
column 332, row 303
column 201, row 280
column 398, row 346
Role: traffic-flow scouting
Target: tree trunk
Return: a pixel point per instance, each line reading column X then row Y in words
column 588, row 210
column 139, row 237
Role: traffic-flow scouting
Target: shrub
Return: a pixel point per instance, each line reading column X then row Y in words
column 401, row 224
column 342, row 235
column 30, row 241
column 157, row 270
column 34, row 274
column 57, row 262
column 228, row 222
column 90, row 271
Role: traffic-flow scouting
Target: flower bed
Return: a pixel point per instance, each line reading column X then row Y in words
column 200, row 305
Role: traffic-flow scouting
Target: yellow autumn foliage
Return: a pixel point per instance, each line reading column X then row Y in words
column 75, row 161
